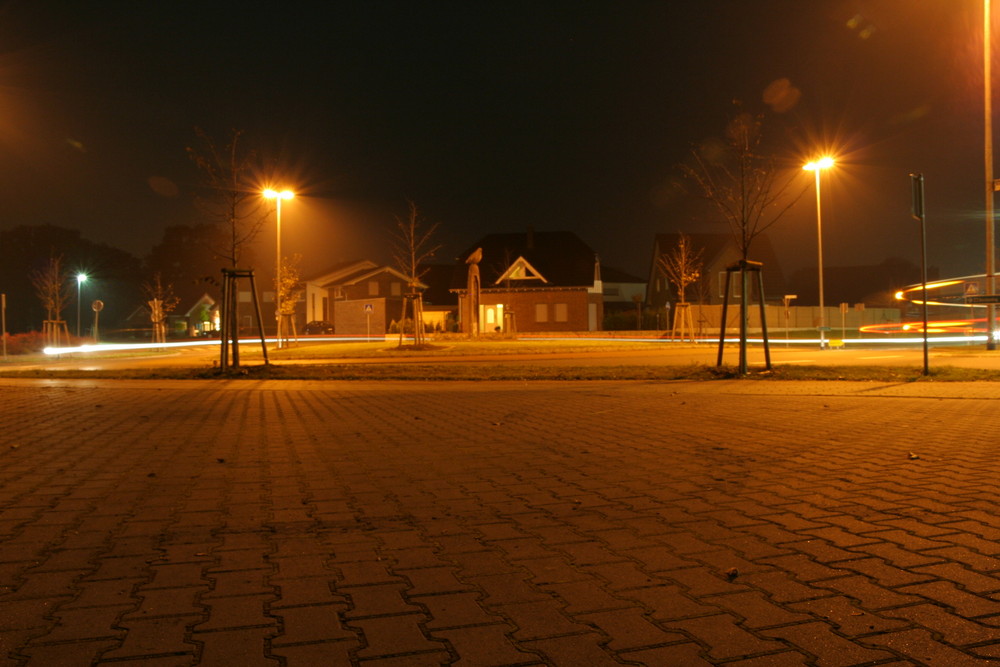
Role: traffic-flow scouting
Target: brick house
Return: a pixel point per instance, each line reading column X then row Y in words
column 357, row 298
column 532, row 281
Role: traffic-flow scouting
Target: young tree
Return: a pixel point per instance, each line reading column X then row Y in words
column 161, row 301
column 411, row 247
column 230, row 200
column 751, row 193
column 682, row 266
column 51, row 284
column 288, row 286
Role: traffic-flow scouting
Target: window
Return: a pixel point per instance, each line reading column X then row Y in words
column 396, row 289
column 734, row 284
column 561, row 312
column 541, row 312
column 372, row 288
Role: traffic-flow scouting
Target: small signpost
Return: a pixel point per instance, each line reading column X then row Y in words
column 97, row 307
column 917, row 182
column 369, row 309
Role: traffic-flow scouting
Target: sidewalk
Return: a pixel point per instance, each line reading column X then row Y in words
column 406, row 523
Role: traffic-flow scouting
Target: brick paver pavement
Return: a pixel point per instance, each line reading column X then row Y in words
column 390, row 524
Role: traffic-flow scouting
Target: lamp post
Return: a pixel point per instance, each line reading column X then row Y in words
column 990, row 183
column 81, row 278
column 277, row 197
column 817, row 167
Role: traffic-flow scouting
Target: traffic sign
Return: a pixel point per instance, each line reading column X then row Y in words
column 982, row 298
column 369, row 308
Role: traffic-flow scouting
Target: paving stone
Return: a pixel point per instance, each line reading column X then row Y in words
column 331, row 654
column 544, row 618
column 486, row 645
column 920, row 647
column 245, row 646
column 391, row 635
column 155, row 637
column 629, row 629
column 848, row 618
column 830, row 649
column 75, row 654
column 679, row 655
column 316, row 623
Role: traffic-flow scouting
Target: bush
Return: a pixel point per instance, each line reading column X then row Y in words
column 31, row 342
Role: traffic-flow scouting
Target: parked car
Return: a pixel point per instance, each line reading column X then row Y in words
column 318, row 327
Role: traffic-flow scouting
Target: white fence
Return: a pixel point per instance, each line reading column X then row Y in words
column 706, row 319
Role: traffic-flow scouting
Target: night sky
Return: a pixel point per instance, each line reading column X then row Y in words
column 497, row 116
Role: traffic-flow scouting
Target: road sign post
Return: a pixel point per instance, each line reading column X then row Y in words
column 917, row 182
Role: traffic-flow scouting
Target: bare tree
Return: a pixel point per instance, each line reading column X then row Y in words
column 682, row 266
column 745, row 185
column 161, row 300
column 230, row 200
column 51, row 284
column 411, row 248
column 751, row 192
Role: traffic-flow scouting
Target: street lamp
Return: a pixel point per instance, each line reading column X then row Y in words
column 81, row 278
column 817, row 167
column 277, row 197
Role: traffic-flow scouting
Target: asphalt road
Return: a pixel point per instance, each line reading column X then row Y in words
column 665, row 355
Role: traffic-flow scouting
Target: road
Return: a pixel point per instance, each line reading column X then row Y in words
column 666, row 354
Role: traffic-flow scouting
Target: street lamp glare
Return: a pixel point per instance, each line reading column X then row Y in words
column 274, row 194
column 81, row 278
column 822, row 163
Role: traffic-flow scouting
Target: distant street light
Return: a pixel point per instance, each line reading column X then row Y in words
column 818, row 166
column 81, row 278
column 277, row 197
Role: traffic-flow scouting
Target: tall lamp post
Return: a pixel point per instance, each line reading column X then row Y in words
column 817, row 167
column 81, row 278
column 277, row 197
column 990, row 183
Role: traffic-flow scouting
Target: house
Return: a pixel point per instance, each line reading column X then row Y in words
column 718, row 251
column 621, row 290
column 358, row 298
column 530, row 281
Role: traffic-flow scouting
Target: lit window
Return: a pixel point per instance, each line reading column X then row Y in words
column 561, row 312
column 372, row 288
column 541, row 312
column 396, row 288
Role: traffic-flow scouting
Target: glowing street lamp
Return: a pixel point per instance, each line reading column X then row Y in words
column 277, row 197
column 81, row 278
column 818, row 166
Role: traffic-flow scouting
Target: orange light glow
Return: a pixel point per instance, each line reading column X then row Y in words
column 822, row 163
column 274, row 194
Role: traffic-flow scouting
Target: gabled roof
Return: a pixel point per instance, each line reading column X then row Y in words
column 561, row 257
column 358, row 276
column 520, row 269
column 339, row 273
column 610, row 274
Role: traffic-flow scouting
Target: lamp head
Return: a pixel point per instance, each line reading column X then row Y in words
column 274, row 194
column 81, row 278
column 822, row 163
